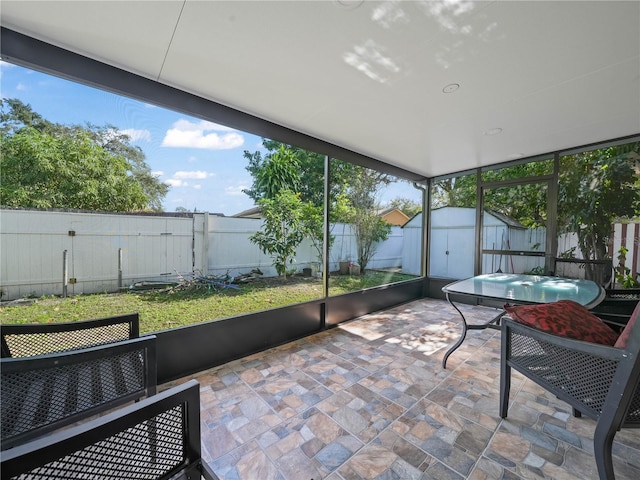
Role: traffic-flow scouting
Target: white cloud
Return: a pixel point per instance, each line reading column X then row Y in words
column 22, row 87
column 137, row 135
column 195, row 174
column 174, row 182
column 186, row 125
column 157, row 173
column 194, row 135
column 197, row 187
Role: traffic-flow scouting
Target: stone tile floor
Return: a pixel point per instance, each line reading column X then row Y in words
column 370, row 400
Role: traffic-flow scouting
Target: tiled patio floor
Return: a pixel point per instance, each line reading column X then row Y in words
column 370, row 400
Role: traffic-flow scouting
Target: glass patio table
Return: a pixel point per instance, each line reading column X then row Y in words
column 518, row 289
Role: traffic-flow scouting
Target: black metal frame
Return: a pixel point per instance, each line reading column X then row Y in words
column 57, row 400
column 23, row 459
column 183, row 351
column 187, row 350
column 597, row 380
column 22, row 332
column 494, row 324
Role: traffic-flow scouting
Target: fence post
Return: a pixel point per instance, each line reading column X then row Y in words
column 119, row 268
column 65, row 274
column 205, row 244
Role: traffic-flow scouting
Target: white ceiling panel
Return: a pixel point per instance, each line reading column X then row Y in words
column 134, row 36
column 368, row 76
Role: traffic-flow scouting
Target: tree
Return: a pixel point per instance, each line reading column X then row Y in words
column 361, row 212
column 454, row 192
column 288, row 219
column 282, row 229
column 597, row 188
column 49, row 165
column 312, row 225
column 352, row 193
column 306, row 175
column 407, row 206
column 117, row 142
column 277, row 171
column 39, row 170
column 287, row 168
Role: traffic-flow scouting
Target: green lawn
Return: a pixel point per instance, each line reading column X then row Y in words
column 160, row 310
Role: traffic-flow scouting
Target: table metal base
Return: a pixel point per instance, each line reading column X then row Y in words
column 494, row 323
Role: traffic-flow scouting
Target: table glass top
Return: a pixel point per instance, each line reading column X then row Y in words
column 515, row 288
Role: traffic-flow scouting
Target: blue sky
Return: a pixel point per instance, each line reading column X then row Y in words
column 202, row 162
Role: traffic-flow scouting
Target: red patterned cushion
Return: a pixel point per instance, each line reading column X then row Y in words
column 626, row 333
column 565, row 318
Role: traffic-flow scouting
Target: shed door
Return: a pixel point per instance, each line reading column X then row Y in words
column 449, row 252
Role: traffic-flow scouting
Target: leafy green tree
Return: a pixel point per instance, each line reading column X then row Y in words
column 39, row 170
column 285, row 167
column 352, row 193
column 14, row 115
column 118, row 143
column 361, row 212
column 276, row 171
column 406, row 205
column 454, row 192
column 312, row 225
column 49, row 165
column 597, row 188
column 527, row 203
column 282, row 230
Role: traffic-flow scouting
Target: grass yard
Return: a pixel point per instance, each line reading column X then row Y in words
column 161, row 310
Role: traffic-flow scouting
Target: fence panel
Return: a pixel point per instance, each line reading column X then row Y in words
column 32, row 247
column 100, row 249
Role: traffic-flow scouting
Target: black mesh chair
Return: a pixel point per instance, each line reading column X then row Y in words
column 596, row 380
column 600, row 271
column 45, row 392
column 28, row 340
column 156, row 438
column 618, row 304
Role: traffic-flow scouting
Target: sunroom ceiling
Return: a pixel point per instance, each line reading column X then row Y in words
column 372, row 76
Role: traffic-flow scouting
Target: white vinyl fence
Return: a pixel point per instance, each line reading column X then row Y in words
column 53, row 252
column 93, row 252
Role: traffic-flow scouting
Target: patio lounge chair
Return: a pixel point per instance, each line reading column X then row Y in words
column 600, row 381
